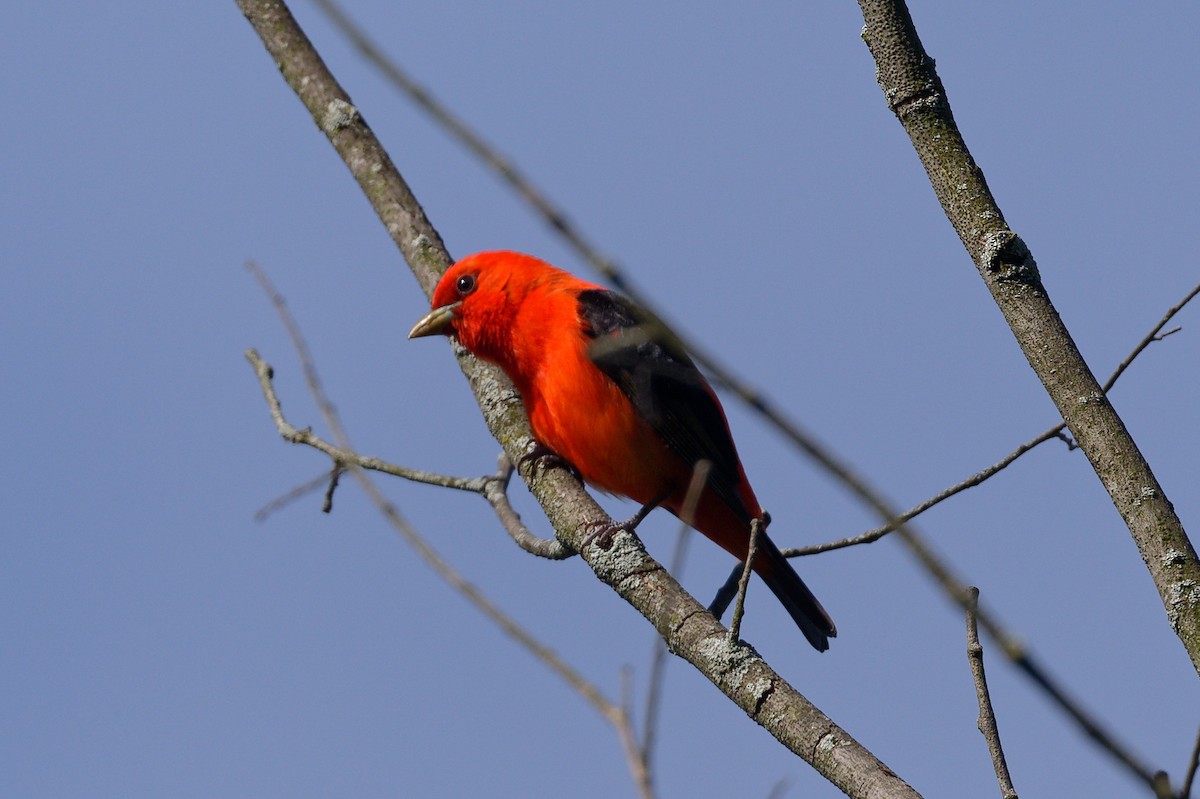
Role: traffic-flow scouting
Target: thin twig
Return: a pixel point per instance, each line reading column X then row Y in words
column 658, row 658
column 1185, row 791
column 302, row 490
column 335, row 475
column 493, row 488
column 913, row 90
column 1154, row 335
column 610, row 710
column 635, row 756
column 790, row 429
column 690, row 634
column 495, row 491
column 265, row 372
column 1013, row 648
column 557, row 219
column 1058, row 431
column 987, row 716
column 739, row 605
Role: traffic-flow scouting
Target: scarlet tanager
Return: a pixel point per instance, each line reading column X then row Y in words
column 614, row 396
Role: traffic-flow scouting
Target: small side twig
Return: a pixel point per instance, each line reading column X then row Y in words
column 987, row 716
column 854, row 769
column 335, row 474
column 1185, row 791
column 1026, row 662
column 1155, row 334
column 347, row 459
column 280, row 502
column 495, row 491
column 1058, row 431
column 354, row 463
column 658, row 658
column 739, row 605
column 635, row 756
column 493, row 488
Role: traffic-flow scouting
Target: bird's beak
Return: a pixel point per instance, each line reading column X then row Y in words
column 436, row 321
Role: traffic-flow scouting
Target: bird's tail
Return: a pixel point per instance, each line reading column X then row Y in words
column 801, row 605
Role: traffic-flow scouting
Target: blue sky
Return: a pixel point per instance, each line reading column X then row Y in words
column 744, row 168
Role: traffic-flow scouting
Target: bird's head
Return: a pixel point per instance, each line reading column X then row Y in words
column 478, row 298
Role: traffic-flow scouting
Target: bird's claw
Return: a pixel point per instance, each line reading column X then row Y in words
column 603, row 533
column 543, row 458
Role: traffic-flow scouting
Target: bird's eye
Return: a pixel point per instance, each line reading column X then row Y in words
column 465, row 284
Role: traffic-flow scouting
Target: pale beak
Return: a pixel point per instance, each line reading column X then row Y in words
column 436, row 321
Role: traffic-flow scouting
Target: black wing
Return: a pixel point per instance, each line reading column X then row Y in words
column 652, row 369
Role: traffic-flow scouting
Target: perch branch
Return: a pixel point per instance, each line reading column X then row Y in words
column 690, row 632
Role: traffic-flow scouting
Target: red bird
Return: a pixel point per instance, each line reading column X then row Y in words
column 615, row 397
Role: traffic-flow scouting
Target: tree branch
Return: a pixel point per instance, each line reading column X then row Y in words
column 615, row 714
column 790, row 429
column 987, row 716
column 689, row 631
column 915, row 93
column 1190, row 774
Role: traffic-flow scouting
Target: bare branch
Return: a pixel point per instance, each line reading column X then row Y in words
column 355, row 464
column 658, row 661
column 873, row 535
column 493, row 488
column 608, row 709
column 335, row 474
column 658, row 658
column 987, row 716
column 791, row 430
column 1190, row 776
column 739, row 605
column 1154, row 335
column 635, row 756
column 495, row 491
column 915, row 93
column 302, row 490
column 690, row 632
column 1029, row 665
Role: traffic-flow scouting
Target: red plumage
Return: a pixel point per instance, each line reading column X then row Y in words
column 613, row 394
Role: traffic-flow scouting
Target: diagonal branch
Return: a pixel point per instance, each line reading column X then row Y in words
column 1190, row 773
column 788, row 427
column 915, row 93
column 689, row 631
column 613, row 712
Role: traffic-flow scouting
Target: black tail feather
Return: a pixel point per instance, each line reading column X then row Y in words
column 788, row 588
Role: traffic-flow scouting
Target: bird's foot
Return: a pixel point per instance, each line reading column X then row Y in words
column 603, row 532
column 542, row 457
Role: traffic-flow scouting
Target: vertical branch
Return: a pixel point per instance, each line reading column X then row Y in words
column 915, row 93
column 987, row 716
column 1189, row 776
column 739, row 605
column 658, row 660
